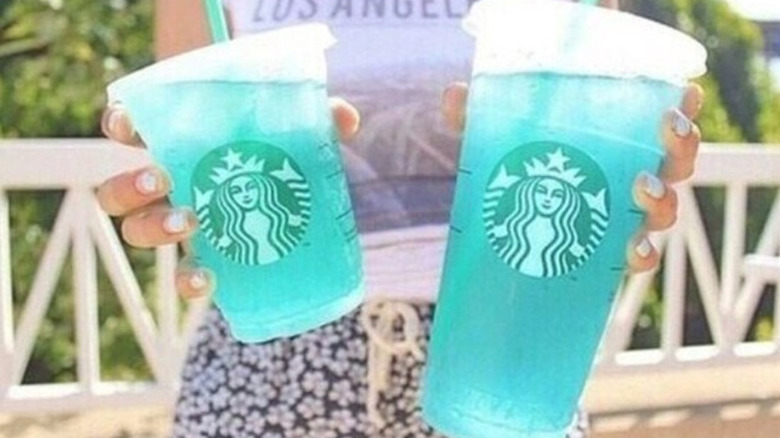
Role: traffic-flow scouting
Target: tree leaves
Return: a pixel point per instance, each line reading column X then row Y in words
column 740, row 100
column 58, row 58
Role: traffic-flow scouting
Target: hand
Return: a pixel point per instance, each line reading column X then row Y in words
column 139, row 197
column 654, row 195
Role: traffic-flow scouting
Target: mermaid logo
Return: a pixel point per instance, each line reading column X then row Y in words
column 252, row 202
column 545, row 217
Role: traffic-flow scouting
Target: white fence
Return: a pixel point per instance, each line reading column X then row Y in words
column 670, row 376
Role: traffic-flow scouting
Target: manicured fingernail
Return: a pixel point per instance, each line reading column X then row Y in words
column 114, row 120
column 644, row 248
column 199, row 280
column 147, row 183
column 680, row 124
column 176, row 222
column 653, row 186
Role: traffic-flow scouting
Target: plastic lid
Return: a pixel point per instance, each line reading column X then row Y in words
column 574, row 38
column 290, row 54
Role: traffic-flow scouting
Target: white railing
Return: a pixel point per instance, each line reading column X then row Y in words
column 77, row 166
column 672, row 375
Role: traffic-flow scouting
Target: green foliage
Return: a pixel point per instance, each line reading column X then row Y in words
column 56, row 57
column 764, row 330
column 53, row 358
column 714, row 120
column 121, row 358
column 740, row 106
column 733, row 44
column 769, row 119
column 647, row 333
column 32, row 217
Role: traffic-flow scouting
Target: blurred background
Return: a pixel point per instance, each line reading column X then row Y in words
column 56, row 56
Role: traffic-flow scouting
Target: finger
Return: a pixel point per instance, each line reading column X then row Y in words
column 693, row 101
column 346, row 118
column 453, row 105
column 158, row 226
column 133, row 190
column 117, row 126
column 641, row 254
column 193, row 281
column 657, row 199
column 681, row 139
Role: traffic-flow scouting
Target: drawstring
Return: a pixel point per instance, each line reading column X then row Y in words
column 378, row 318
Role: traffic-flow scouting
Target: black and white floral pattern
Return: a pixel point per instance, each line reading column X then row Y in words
column 309, row 386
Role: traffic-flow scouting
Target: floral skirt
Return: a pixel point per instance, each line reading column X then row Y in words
column 315, row 385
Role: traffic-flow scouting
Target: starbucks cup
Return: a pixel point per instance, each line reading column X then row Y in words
column 244, row 129
column 565, row 109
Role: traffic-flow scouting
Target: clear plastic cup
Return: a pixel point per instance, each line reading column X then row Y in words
column 245, row 130
column 564, row 112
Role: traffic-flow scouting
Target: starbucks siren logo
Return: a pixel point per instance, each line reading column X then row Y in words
column 546, row 209
column 252, row 202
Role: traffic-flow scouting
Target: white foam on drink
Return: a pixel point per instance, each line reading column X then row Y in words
column 536, row 36
column 291, row 54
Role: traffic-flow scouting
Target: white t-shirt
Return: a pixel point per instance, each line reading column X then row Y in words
column 393, row 59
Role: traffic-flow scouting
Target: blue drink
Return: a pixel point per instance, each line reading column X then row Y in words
column 530, row 274
column 250, row 147
column 542, row 213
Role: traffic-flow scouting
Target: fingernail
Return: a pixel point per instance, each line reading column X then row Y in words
column 114, row 119
column 653, row 186
column 680, row 124
column 176, row 222
column 644, row 248
column 199, row 280
column 147, row 183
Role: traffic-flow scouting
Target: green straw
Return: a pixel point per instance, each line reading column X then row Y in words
column 217, row 21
